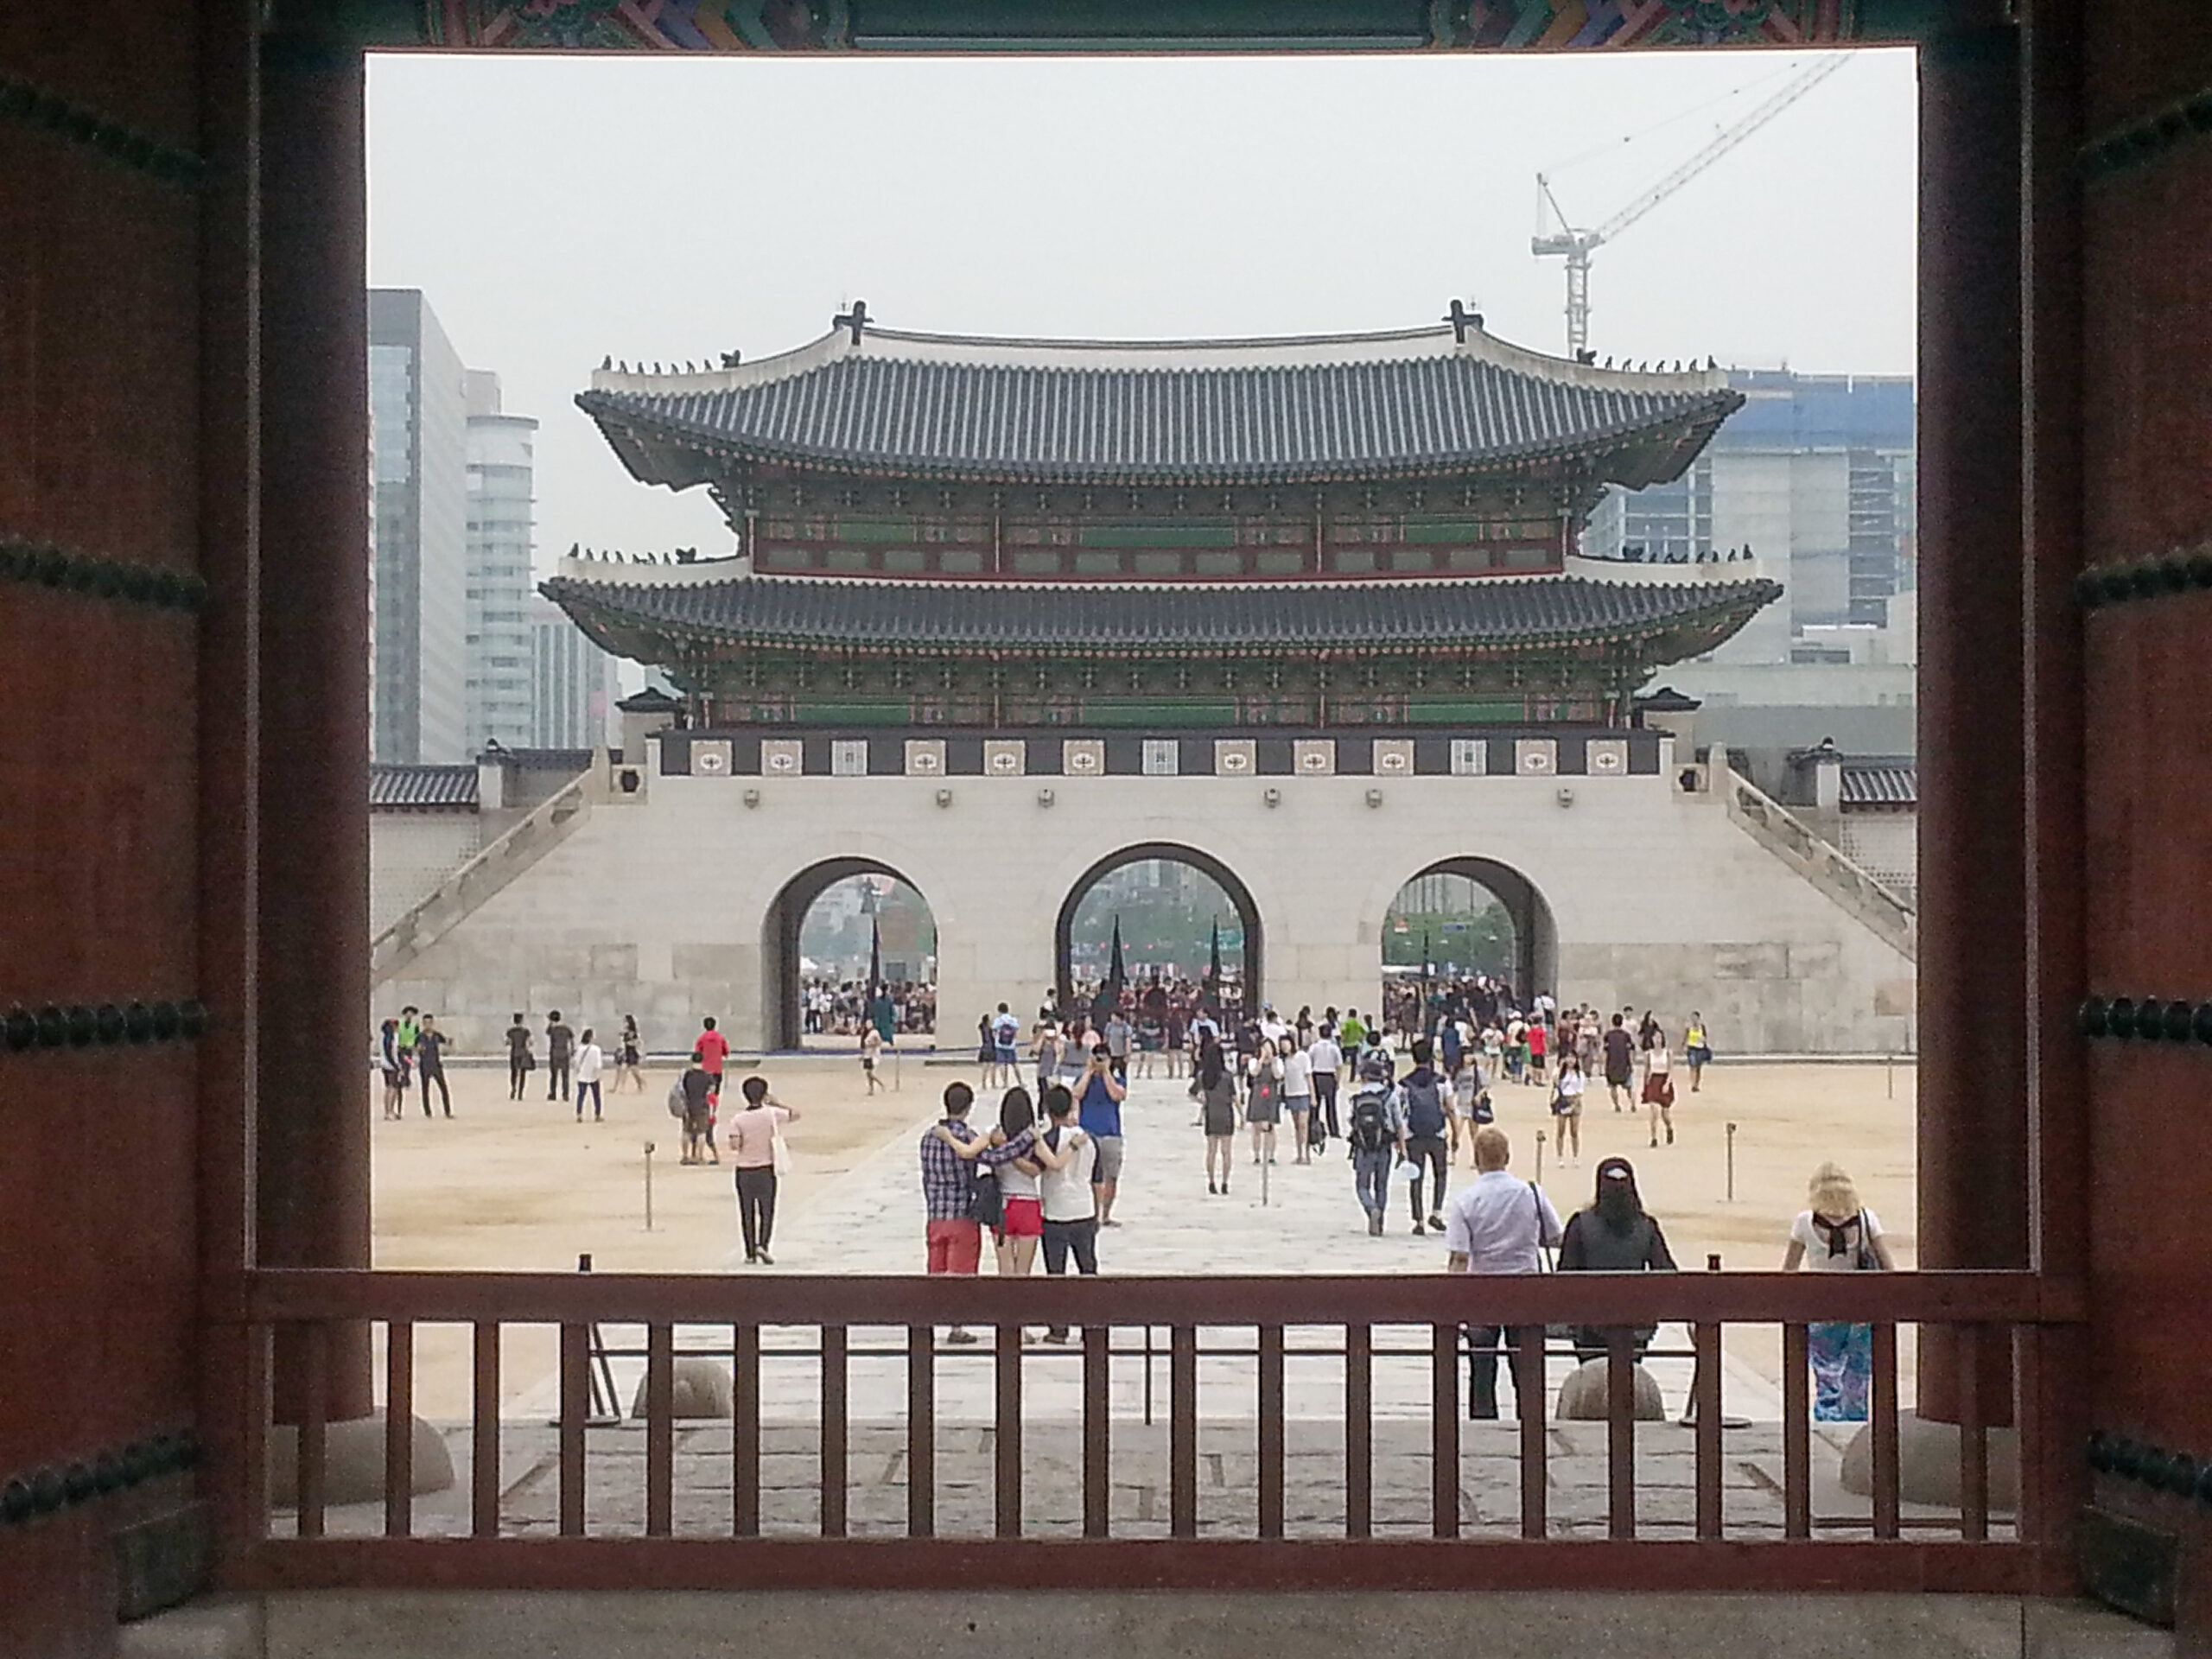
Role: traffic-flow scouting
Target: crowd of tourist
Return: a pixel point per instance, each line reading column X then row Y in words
column 846, row 1008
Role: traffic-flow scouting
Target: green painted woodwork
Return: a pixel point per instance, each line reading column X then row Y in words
column 885, row 711
column 1492, row 712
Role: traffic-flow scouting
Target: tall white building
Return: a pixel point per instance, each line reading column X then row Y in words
column 572, row 683
column 500, row 685
column 419, row 419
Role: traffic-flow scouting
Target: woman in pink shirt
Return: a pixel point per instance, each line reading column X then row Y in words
column 751, row 1137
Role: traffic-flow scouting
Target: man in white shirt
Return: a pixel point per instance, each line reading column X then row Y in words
column 1271, row 1025
column 1499, row 1224
column 1069, row 1200
column 1326, row 1059
column 589, row 1058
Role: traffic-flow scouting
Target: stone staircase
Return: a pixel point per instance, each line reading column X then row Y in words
column 1819, row 862
column 498, row 864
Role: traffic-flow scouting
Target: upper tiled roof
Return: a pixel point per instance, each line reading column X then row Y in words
column 1881, row 783
column 1313, row 616
column 1416, row 402
column 424, row 786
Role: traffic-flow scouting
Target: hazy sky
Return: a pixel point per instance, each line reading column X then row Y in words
column 556, row 210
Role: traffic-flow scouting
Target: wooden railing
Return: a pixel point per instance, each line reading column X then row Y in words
column 1342, row 1397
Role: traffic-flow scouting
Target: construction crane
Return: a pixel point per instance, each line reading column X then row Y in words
column 1575, row 245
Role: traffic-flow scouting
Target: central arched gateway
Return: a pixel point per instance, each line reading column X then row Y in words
column 783, row 1017
column 1534, row 954
column 1239, row 896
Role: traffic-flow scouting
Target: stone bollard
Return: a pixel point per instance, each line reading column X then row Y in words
column 701, row 1390
column 1582, row 1396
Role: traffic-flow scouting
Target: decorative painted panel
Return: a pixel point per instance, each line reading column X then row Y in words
column 1535, row 757
column 782, row 756
column 1606, row 756
column 1005, row 757
column 1083, row 757
column 848, row 757
column 1470, row 757
column 1314, row 757
column 711, row 758
column 1162, row 757
column 925, row 757
column 1234, row 757
column 1394, row 756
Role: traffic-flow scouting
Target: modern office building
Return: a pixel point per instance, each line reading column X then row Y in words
column 500, row 682
column 419, row 416
column 1812, row 478
column 572, row 682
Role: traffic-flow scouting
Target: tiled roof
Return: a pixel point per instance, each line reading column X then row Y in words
column 446, row 788
column 1261, row 411
column 829, row 612
column 1881, row 783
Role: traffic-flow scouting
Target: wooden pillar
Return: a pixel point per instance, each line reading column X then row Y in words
column 1973, row 998
column 313, row 1145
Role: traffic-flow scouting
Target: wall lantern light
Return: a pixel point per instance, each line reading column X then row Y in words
column 1567, row 798
column 1375, row 797
column 752, row 797
column 945, row 798
column 1273, row 798
column 1044, row 798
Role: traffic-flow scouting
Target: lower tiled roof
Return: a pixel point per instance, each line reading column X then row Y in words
column 1312, row 616
column 1880, row 783
column 394, row 787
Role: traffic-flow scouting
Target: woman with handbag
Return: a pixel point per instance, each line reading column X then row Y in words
column 1835, row 1233
column 1216, row 1090
column 1566, row 1107
column 756, row 1147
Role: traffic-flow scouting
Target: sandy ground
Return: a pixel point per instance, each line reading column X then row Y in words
column 521, row 1185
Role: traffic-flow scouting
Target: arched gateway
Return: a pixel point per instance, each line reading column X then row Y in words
column 783, row 1012
column 1245, row 961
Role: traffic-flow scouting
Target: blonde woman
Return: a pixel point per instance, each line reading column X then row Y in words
column 1835, row 1233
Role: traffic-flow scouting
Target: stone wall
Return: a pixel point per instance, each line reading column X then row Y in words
column 410, row 852
column 657, row 906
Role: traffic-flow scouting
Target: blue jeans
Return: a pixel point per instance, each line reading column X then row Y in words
column 1370, row 1174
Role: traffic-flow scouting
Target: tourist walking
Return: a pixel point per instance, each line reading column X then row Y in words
column 1298, row 1098
column 1115, row 1034
column 871, row 1045
column 629, row 1057
column 1066, row 1194
column 1375, row 1131
column 429, row 1060
column 393, row 1059
column 1697, row 1051
column 590, row 1058
column 1216, row 1091
column 698, row 1104
column 1098, row 1095
column 520, row 1062
column 1427, row 1119
column 1567, row 1106
column 1327, row 1061
column 1659, row 1086
column 1497, row 1223
column 1263, row 1100
column 1835, row 1233
column 1045, row 1051
column 1005, row 1034
column 1620, row 1061
column 953, row 1235
column 1613, row 1235
column 753, row 1134
column 560, row 1050
column 713, row 1049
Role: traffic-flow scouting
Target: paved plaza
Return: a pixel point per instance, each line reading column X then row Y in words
column 861, row 1212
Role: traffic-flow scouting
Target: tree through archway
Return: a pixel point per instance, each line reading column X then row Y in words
column 1463, row 917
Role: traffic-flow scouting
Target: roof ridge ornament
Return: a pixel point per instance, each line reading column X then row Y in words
column 856, row 320
column 1462, row 319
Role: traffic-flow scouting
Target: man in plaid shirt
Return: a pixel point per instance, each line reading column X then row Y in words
column 956, row 1237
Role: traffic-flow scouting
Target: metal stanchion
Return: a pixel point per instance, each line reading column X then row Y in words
column 649, row 1187
column 1732, row 1163
column 1540, row 1156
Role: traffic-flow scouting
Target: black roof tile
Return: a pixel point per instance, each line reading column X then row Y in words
column 392, row 786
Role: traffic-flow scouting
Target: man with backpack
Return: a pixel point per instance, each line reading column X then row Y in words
column 1376, row 1132
column 1427, row 1118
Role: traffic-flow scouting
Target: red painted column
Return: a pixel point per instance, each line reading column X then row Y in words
column 1974, row 998
column 313, row 1144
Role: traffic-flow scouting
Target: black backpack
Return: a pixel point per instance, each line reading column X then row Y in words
column 1370, row 1123
column 986, row 1203
column 1424, row 1109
